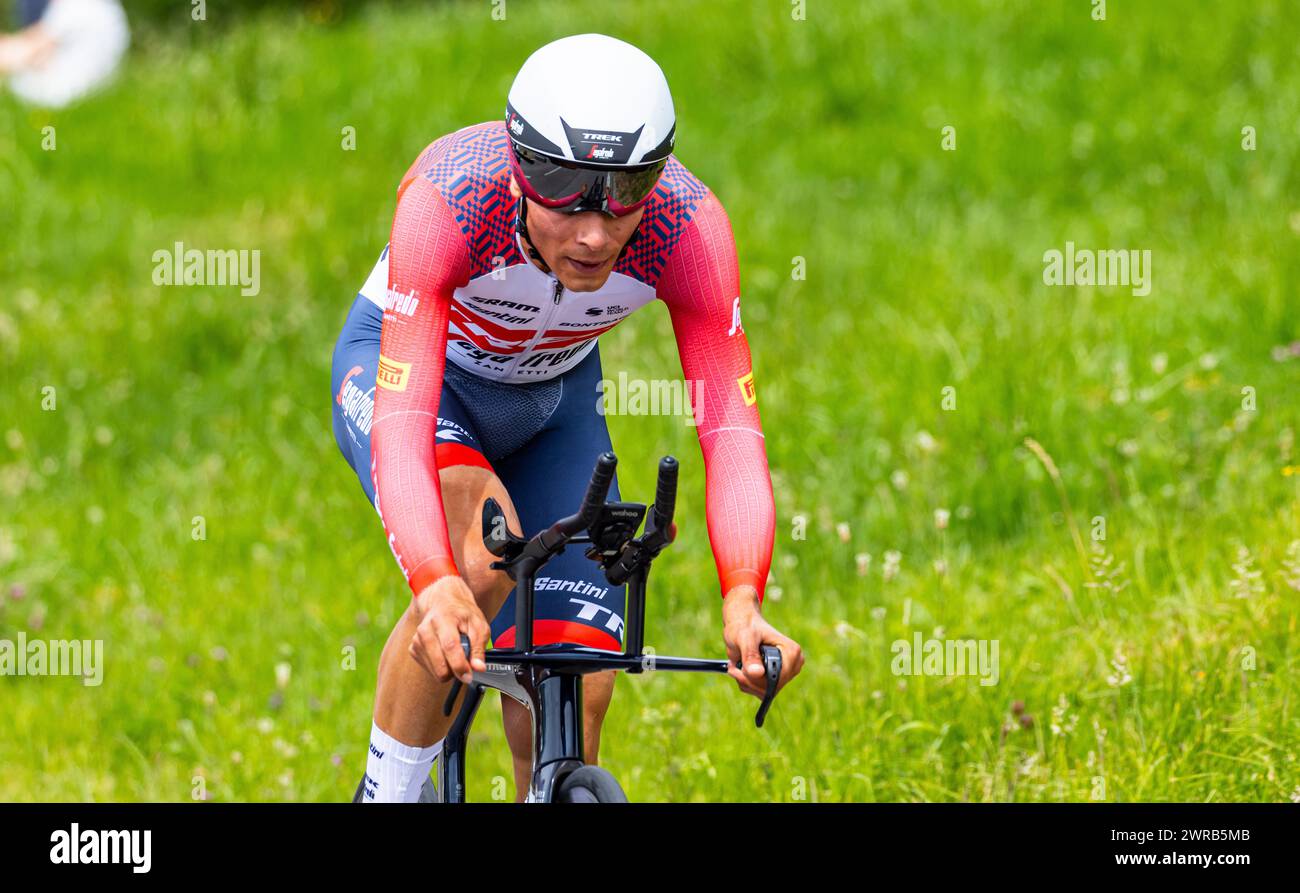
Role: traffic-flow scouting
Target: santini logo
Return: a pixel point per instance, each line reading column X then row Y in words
column 77, row 847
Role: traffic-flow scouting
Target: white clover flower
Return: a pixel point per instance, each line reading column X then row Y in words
column 893, row 558
column 1121, row 676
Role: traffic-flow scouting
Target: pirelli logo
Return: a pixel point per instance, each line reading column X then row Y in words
column 746, row 383
column 392, row 374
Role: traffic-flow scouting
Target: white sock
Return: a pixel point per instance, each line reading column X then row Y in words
column 395, row 772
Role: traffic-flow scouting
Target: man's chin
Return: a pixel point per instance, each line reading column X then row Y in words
column 574, row 279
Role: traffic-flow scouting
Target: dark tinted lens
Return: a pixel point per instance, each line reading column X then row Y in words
column 552, row 180
column 562, row 183
column 630, row 187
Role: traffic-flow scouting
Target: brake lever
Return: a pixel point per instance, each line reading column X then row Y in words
column 456, row 684
column 772, row 667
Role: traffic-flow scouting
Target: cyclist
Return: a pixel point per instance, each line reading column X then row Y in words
column 468, row 368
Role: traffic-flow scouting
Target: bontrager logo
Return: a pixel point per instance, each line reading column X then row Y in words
column 77, row 847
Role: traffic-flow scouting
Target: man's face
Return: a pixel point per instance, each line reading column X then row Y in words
column 581, row 248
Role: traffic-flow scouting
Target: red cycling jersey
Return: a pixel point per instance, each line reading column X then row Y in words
column 460, row 287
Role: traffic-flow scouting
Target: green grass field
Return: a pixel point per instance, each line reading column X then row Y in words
column 1158, row 663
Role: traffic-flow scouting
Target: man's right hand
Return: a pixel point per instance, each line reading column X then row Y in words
column 448, row 610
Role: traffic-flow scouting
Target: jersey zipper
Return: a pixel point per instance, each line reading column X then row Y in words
column 556, row 293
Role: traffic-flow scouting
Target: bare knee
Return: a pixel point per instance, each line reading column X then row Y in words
column 465, row 488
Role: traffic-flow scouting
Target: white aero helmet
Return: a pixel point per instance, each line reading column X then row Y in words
column 591, row 125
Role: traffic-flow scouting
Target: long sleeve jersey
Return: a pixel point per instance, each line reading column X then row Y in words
column 457, row 286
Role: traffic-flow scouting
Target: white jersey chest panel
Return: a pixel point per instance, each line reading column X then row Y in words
column 519, row 324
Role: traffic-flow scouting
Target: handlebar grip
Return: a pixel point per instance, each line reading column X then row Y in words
column 666, row 492
column 772, row 670
column 597, row 490
column 456, row 684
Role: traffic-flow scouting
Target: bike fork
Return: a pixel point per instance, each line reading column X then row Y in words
column 557, row 732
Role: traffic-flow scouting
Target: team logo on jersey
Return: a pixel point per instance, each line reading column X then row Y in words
column 735, row 318
column 358, row 405
column 392, row 374
column 746, row 383
column 396, row 302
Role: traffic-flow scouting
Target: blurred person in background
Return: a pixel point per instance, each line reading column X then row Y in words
column 71, row 49
column 29, row 11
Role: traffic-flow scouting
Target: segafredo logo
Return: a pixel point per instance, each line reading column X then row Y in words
column 396, row 302
column 358, row 405
column 613, row 146
column 516, row 126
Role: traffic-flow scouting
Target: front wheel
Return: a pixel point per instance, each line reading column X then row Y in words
column 589, row 784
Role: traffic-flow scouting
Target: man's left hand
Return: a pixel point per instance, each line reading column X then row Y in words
column 743, row 631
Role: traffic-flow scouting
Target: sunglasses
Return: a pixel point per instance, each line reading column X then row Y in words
column 568, row 187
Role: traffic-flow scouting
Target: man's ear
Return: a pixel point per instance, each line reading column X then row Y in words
column 515, row 191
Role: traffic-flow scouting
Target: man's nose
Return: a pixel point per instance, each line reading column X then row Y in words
column 593, row 229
